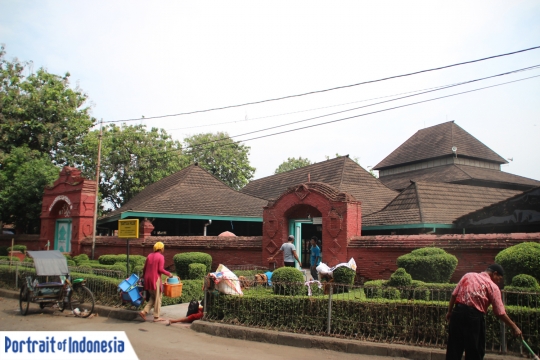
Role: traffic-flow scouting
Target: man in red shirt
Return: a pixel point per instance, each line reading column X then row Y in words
column 472, row 297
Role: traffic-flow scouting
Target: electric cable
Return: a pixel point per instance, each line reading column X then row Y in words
column 329, row 89
column 377, row 103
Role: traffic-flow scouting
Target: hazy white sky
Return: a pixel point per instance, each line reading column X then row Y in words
column 138, row 58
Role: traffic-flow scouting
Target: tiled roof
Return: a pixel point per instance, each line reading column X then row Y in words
column 455, row 174
column 437, row 141
column 193, row 191
column 435, row 203
column 342, row 173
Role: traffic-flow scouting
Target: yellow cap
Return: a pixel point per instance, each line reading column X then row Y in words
column 158, row 246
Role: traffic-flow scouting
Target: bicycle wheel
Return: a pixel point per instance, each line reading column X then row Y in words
column 24, row 300
column 82, row 301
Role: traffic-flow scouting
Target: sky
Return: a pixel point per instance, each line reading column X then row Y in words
column 140, row 58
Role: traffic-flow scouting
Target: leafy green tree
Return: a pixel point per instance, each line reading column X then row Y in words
column 292, row 163
column 131, row 159
column 221, row 156
column 40, row 111
column 24, row 173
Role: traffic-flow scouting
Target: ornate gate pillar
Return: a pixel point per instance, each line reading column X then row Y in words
column 67, row 213
column 341, row 219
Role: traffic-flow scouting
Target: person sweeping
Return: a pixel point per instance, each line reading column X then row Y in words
column 153, row 268
column 468, row 306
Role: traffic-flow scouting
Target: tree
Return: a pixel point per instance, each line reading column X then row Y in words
column 131, row 159
column 292, row 163
column 23, row 176
column 40, row 111
column 221, row 156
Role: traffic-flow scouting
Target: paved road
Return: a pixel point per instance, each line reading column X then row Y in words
column 157, row 341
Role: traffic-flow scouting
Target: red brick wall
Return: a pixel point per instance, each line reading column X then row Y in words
column 376, row 256
column 228, row 251
column 31, row 241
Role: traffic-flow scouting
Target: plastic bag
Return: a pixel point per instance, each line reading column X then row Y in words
column 226, row 281
column 323, row 269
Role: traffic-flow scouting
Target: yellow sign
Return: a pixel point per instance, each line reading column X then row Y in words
column 128, row 228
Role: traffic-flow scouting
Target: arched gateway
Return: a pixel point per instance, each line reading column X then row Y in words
column 67, row 211
column 312, row 209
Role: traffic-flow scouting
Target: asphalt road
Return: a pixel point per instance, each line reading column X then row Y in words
column 158, row 341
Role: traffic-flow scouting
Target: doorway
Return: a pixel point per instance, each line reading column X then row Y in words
column 303, row 230
column 62, row 235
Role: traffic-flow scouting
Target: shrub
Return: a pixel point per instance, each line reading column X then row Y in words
column 431, row 265
column 9, row 257
column 79, row 258
column 525, row 281
column 71, row 263
column 400, row 278
column 67, row 256
column 287, row 281
column 182, row 261
column 138, row 270
column 197, row 271
column 21, row 248
column 523, row 258
column 3, row 251
column 121, row 268
column 88, row 262
column 134, row 260
column 344, row 275
column 28, row 259
column 107, row 259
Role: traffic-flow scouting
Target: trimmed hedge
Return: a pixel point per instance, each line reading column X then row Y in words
column 197, row 271
column 134, row 260
column 343, row 275
column 525, row 281
column 71, row 263
column 401, row 320
column 9, row 257
column 523, row 258
column 21, row 248
column 417, row 290
column 400, row 278
column 80, row 258
column 182, row 261
column 429, row 264
column 287, row 281
column 67, row 256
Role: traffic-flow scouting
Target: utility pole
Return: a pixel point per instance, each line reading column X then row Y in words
column 96, row 204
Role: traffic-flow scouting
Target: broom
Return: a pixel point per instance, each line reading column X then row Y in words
column 535, row 357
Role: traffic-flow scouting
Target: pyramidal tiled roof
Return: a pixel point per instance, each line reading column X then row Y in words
column 193, row 190
column 435, row 203
column 341, row 173
column 437, row 141
column 453, row 173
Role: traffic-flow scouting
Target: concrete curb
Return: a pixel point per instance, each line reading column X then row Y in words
column 327, row 343
column 103, row 311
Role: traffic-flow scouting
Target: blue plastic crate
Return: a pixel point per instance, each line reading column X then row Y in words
column 128, row 283
column 133, row 294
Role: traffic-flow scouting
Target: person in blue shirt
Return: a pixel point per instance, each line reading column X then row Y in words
column 315, row 257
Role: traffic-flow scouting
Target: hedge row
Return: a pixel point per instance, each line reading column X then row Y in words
column 134, row 260
column 182, row 261
column 417, row 290
column 399, row 320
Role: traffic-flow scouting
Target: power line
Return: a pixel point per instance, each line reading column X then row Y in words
column 387, row 109
column 330, row 89
column 378, row 103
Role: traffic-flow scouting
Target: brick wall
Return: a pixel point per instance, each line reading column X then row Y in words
column 376, row 256
column 240, row 250
column 31, row 241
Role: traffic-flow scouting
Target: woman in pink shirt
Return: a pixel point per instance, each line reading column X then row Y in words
column 153, row 268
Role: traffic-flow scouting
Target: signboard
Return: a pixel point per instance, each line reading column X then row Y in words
column 128, row 228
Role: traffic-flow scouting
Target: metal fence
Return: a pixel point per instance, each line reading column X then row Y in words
column 396, row 315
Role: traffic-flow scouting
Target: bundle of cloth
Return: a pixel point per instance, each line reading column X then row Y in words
column 225, row 281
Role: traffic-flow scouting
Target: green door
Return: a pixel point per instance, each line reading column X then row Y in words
column 62, row 235
column 295, row 228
